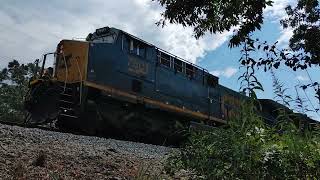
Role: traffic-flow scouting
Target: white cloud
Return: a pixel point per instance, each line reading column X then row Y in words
column 28, row 30
column 285, row 36
column 301, row 78
column 227, row 72
column 277, row 11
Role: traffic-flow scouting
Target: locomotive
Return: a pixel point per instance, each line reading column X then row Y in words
column 115, row 84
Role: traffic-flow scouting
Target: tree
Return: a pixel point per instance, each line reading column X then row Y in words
column 247, row 16
column 305, row 20
column 216, row 16
column 13, row 86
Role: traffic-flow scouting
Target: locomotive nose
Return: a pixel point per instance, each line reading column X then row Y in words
column 41, row 103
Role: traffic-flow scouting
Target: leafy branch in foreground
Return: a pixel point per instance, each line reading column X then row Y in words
column 304, row 19
column 273, row 58
column 249, row 82
column 216, row 16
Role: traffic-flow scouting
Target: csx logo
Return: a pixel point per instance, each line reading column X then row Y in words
column 137, row 67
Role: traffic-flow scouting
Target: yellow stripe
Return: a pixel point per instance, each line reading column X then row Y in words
column 149, row 101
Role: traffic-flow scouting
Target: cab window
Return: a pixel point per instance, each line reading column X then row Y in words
column 133, row 46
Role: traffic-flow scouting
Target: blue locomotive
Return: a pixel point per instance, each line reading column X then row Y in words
column 117, row 84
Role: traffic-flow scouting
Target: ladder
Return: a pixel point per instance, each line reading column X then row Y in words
column 67, row 102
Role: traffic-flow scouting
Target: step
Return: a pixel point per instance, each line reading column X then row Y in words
column 66, row 87
column 67, row 90
column 69, row 116
column 64, row 94
column 69, row 102
column 66, row 97
column 65, row 108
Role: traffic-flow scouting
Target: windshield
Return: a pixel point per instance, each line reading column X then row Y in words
column 107, row 39
column 50, row 60
column 106, row 35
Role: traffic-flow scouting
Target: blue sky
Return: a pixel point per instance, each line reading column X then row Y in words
column 29, row 29
column 223, row 59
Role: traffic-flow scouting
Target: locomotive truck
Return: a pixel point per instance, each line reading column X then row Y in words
column 115, row 84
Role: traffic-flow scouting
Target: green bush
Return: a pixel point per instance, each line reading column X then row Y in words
column 248, row 149
column 11, row 103
column 13, row 87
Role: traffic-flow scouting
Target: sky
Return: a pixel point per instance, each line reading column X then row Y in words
column 31, row 28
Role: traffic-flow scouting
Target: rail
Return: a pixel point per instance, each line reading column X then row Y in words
column 166, row 52
column 183, row 60
column 81, row 81
column 66, row 72
column 180, row 65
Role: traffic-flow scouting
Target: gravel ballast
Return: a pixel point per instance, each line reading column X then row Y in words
column 31, row 153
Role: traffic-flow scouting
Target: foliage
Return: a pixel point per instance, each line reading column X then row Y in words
column 11, row 107
column 280, row 91
column 248, row 149
column 273, row 59
column 216, row 16
column 246, row 16
column 13, row 87
column 147, row 172
column 305, row 20
column 249, row 82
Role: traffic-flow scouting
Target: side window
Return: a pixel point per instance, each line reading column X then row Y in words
column 128, row 45
column 141, row 50
column 133, row 46
column 125, row 44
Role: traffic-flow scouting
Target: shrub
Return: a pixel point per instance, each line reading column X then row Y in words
column 248, row 149
column 11, row 102
column 13, row 87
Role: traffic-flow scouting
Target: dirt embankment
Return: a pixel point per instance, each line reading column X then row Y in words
column 38, row 154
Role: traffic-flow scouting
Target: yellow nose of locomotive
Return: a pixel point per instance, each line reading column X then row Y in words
column 71, row 61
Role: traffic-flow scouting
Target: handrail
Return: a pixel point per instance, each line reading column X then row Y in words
column 166, row 52
column 183, row 60
column 66, row 72
column 44, row 62
column 66, row 76
column 192, row 70
column 81, row 81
